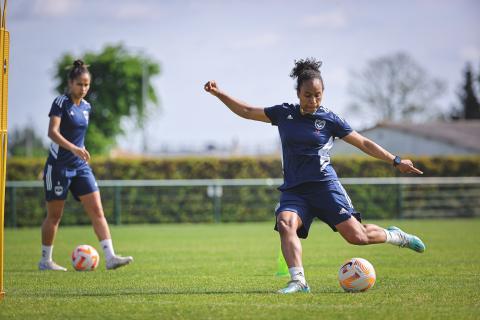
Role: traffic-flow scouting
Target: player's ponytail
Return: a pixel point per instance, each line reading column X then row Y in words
column 306, row 69
column 79, row 67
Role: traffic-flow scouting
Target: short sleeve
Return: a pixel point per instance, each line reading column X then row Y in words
column 274, row 113
column 56, row 109
column 340, row 127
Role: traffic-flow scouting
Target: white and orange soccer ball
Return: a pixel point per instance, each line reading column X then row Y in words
column 356, row 275
column 85, row 258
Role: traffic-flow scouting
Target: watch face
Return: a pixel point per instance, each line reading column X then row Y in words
column 397, row 160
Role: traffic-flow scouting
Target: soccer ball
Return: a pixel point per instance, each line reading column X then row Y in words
column 356, row 275
column 85, row 258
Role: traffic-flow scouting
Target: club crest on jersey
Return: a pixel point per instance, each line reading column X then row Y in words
column 58, row 190
column 319, row 124
column 85, row 114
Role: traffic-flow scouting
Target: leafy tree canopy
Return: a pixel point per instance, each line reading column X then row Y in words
column 120, row 87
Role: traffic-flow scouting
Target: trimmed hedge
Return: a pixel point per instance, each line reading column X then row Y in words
column 25, row 206
column 246, row 167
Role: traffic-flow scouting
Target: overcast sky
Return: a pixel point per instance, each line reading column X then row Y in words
column 247, row 46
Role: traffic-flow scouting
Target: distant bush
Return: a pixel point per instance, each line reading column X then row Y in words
column 243, row 167
column 192, row 204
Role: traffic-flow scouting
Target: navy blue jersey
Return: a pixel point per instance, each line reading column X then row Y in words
column 306, row 142
column 73, row 127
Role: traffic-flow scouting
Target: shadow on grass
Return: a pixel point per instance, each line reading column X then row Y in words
column 119, row 293
column 144, row 293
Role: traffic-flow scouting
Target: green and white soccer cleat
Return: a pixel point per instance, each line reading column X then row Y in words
column 50, row 265
column 408, row 240
column 118, row 261
column 295, row 286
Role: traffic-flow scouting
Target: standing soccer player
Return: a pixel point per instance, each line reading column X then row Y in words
column 311, row 187
column 67, row 169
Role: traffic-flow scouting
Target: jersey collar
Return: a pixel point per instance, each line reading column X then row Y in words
column 308, row 115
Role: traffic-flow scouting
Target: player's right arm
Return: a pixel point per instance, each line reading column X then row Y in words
column 58, row 138
column 238, row 107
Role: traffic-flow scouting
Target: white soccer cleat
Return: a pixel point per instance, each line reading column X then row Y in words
column 118, row 261
column 408, row 240
column 50, row 265
column 295, row 286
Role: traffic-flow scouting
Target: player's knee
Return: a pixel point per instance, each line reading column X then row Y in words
column 54, row 218
column 286, row 226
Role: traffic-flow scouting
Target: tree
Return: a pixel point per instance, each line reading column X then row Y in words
column 25, row 142
column 395, row 87
column 121, row 87
column 469, row 107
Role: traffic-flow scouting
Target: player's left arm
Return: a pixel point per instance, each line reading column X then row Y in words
column 376, row 151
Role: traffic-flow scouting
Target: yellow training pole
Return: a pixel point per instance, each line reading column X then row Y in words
column 4, row 54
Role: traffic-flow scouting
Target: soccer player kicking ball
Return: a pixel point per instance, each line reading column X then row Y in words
column 67, row 169
column 311, row 187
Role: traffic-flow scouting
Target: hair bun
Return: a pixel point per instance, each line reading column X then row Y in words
column 303, row 65
column 78, row 63
column 306, row 69
column 79, row 67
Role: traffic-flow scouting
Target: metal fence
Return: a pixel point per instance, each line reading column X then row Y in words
column 166, row 201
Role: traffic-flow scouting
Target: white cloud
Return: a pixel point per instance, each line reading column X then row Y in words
column 55, row 8
column 331, row 20
column 262, row 40
column 470, row 52
column 135, row 11
column 119, row 10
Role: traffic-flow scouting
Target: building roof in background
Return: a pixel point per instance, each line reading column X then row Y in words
column 465, row 133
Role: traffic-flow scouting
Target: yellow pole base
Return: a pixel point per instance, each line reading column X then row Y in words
column 2, row 295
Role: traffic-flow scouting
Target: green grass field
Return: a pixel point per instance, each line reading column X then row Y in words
column 226, row 271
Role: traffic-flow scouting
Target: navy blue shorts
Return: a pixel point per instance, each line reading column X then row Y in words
column 57, row 180
column 325, row 200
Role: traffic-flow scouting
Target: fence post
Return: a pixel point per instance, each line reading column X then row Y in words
column 218, row 202
column 215, row 191
column 399, row 201
column 117, row 205
column 13, row 206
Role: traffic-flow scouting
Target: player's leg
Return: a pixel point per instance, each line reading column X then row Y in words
column 49, row 230
column 84, row 188
column 93, row 206
column 360, row 234
column 341, row 215
column 51, row 221
column 363, row 234
column 56, row 186
column 288, row 222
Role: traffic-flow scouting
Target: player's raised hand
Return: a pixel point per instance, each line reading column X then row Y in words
column 406, row 166
column 211, row 87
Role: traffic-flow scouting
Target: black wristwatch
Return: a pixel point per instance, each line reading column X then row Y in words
column 396, row 161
